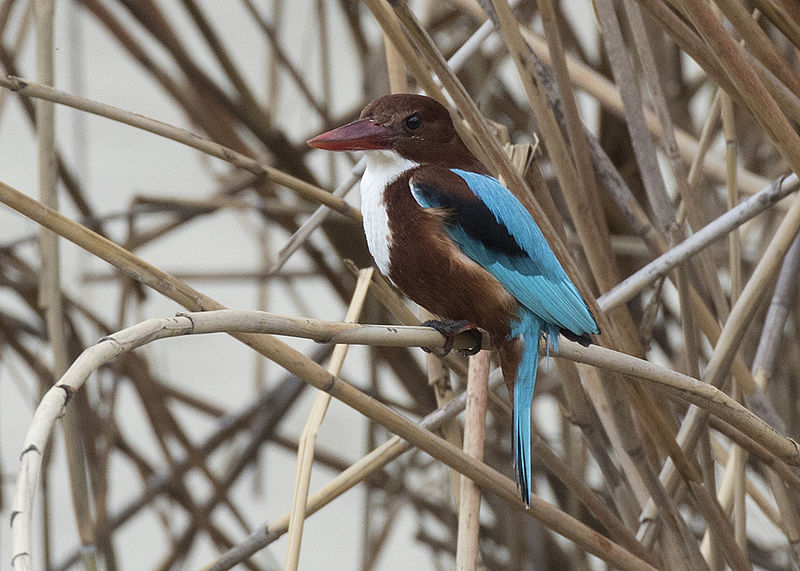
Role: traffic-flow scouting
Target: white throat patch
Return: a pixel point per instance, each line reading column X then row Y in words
column 383, row 168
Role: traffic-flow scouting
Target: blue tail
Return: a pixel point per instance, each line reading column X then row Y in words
column 530, row 327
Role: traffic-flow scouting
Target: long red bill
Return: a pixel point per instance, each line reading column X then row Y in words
column 359, row 135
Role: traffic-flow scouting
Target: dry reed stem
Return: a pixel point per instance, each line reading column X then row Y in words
column 723, row 456
column 738, row 461
column 763, row 366
column 686, row 190
column 313, row 222
column 248, row 321
column 312, row 373
column 50, row 298
column 607, row 94
column 469, row 508
column 681, row 386
column 278, row 53
column 382, row 13
column 225, row 108
column 356, row 473
column 580, row 198
column 731, row 486
column 589, row 231
column 765, row 361
column 207, row 146
column 589, row 410
column 746, row 82
column 308, row 438
column 757, row 41
column 664, row 215
column 439, row 380
column 395, row 446
column 236, row 322
column 602, row 269
column 725, row 349
column 714, row 230
column 498, row 162
column 781, row 17
column 742, row 311
column 632, row 105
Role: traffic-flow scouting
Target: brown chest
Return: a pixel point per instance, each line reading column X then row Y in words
column 430, row 269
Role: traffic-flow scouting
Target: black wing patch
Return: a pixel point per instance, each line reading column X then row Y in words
column 474, row 218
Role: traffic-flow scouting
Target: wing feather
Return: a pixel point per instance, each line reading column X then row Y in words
column 494, row 229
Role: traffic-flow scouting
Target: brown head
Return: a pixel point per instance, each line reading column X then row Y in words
column 417, row 127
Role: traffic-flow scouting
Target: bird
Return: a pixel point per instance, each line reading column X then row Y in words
column 457, row 242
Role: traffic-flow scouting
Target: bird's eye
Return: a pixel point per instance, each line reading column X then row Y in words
column 413, row 122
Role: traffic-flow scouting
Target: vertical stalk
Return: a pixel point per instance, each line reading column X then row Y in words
column 50, row 298
column 308, row 439
column 467, row 552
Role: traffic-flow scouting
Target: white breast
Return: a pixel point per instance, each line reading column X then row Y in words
column 383, row 168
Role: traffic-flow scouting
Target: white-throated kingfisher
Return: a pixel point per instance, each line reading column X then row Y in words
column 457, row 242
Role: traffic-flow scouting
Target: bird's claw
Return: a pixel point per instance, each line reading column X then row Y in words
column 450, row 329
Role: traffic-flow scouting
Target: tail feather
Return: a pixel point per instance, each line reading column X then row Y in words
column 523, row 396
column 520, row 361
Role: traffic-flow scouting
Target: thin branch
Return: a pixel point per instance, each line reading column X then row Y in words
column 715, row 230
column 207, row 322
column 305, row 189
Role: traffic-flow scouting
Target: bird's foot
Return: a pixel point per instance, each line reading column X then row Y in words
column 450, row 329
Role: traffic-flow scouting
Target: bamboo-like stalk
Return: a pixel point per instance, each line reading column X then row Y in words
column 763, row 365
column 354, row 474
column 781, row 17
column 313, row 222
column 308, row 438
column 686, row 190
column 439, row 380
column 681, row 386
column 664, row 215
column 717, row 368
column 22, row 33
column 713, row 231
column 608, row 96
column 614, row 419
column 738, row 458
column 248, row 321
column 305, row 189
column 50, row 283
column 271, row 33
column 373, row 462
column 260, row 366
column 590, row 232
column 631, row 97
column 746, row 82
column 221, row 53
column 658, row 191
column 469, row 510
column 751, row 488
column 757, row 41
column 207, row 322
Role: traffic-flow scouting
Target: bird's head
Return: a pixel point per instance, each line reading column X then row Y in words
column 415, row 126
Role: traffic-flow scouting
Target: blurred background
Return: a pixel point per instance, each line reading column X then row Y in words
column 261, row 77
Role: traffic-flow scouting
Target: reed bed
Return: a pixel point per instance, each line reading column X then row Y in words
column 655, row 143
